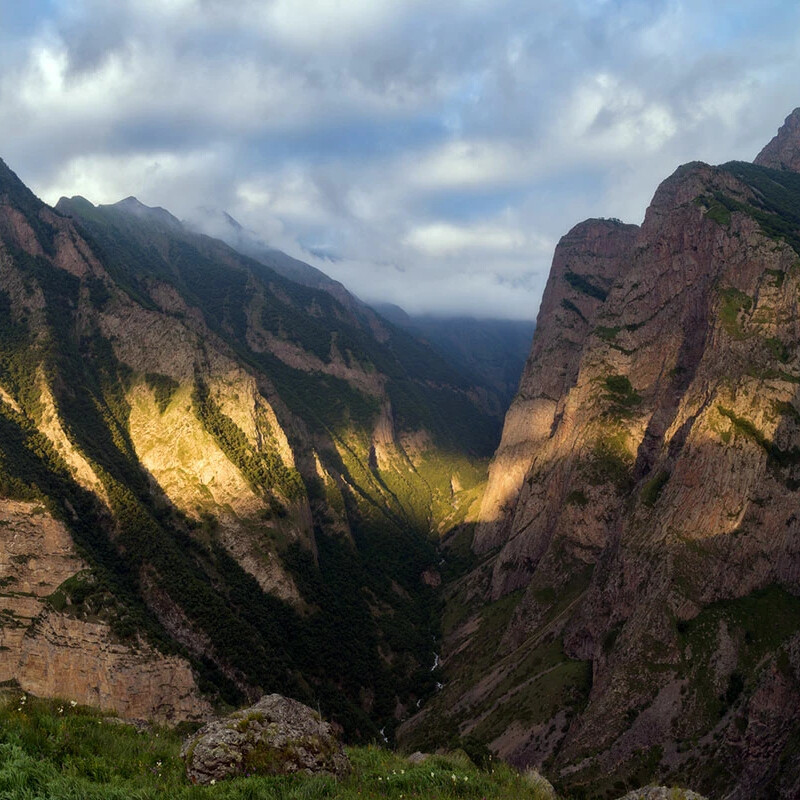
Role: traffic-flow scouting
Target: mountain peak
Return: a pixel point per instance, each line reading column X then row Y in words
column 783, row 152
column 131, row 205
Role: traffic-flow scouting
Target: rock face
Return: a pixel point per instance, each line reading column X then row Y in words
column 249, row 467
column 51, row 649
column 783, row 152
column 276, row 736
column 639, row 538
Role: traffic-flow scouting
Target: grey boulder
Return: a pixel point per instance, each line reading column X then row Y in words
column 276, row 736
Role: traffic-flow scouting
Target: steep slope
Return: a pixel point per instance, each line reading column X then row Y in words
column 251, row 476
column 633, row 607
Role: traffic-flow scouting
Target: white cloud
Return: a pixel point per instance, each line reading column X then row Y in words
column 438, row 150
column 441, row 238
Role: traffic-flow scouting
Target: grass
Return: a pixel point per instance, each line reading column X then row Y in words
column 733, row 302
column 50, row 749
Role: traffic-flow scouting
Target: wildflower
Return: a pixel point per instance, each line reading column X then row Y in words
column 213, row 781
column 431, row 774
column 453, row 777
column 73, row 703
column 402, row 772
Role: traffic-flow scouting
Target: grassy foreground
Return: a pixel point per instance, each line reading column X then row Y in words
column 51, row 749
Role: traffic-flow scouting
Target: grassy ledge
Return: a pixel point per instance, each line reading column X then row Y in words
column 54, row 750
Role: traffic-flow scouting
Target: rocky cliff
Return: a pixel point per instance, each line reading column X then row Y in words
column 218, row 482
column 633, row 605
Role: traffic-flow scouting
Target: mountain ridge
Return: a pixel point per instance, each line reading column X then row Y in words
column 251, row 474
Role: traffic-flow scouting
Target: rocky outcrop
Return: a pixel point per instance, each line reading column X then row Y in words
column 783, row 151
column 661, row 793
column 276, row 736
column 52, row 653
column 639, row 527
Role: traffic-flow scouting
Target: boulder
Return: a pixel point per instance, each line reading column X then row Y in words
column 276, row 736
column 661, row 793
column 544, row 789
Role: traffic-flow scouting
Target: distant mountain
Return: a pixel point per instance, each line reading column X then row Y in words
column 631, row 611
column 215, row 481
column 222, row 225
column 493, row 350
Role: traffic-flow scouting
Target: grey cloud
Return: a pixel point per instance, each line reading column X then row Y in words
column 437, row 149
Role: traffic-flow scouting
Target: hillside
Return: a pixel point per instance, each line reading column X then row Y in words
column 494, row 351
column 215, row 481
column 629, row 605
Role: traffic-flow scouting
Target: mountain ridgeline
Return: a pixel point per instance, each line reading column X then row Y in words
column 216, row 481
column 632, row 610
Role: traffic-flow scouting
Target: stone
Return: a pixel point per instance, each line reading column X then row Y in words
column 544, row 789
column 661, row 793
column 418, row 758
column 276, row 736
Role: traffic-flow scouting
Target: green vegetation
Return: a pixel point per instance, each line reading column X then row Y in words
column 622, row 397
column 263, row 468
column 652, row 489
column 759, row 625
column 733, row 303
column 577, row 498
column 163, row 387
column 607, row 334
column 570, row 306
column 778, row 459
column 611, row 460
column 776, row 206
column 777, row 275
column 52, row 750
column 717, row 210
column 583, row 285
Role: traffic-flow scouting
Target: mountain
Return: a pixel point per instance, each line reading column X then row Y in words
column 628, row 606
column 221, row 225
column 492, row 350
column 215, row 481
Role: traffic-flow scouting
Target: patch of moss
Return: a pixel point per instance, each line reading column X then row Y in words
column 652, row 489
column 733, row 303
column 622, row 396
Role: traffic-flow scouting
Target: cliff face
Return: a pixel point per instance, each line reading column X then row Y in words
column 634, row 609
column 54, row 646
column 249, row 469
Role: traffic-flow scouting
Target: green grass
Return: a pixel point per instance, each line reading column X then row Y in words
column 51, row 750
column 733, row 303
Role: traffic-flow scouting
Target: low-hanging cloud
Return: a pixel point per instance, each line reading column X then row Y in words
column 427, row 154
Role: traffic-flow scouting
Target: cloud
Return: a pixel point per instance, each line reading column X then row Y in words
column 434, row 152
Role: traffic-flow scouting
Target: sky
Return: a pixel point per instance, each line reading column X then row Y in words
column 428, row 153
